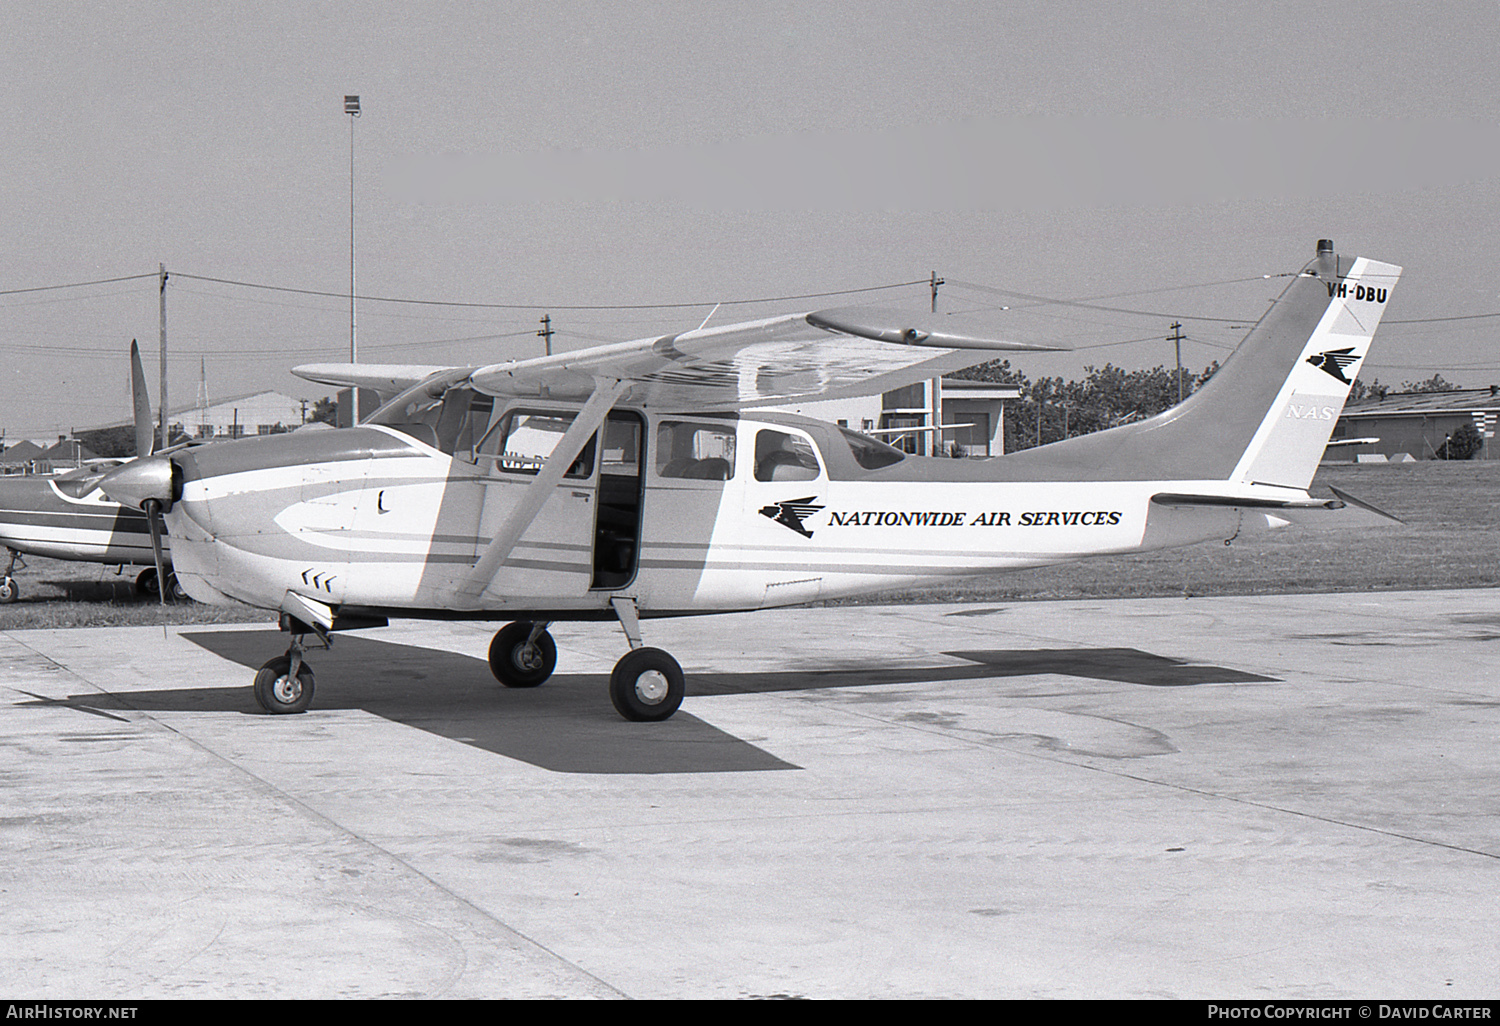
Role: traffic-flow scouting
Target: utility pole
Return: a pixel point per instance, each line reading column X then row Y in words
column 162, row 318
column 546, row 332
column 1176, row 339
column 935, row 385
column 351, row 107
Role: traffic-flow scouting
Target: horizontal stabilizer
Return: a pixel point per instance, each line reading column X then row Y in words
column 1245, row 501
column 1351, row 500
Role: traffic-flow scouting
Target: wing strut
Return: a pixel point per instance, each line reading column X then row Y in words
column 606, row 392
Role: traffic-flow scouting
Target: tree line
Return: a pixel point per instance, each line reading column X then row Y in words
column 1051, row 409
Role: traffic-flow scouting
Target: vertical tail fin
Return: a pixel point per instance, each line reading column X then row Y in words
column 145, row 432
column 1267, row 414
column 1290, row 440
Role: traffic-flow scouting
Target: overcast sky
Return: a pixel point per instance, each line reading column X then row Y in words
column 543, row 157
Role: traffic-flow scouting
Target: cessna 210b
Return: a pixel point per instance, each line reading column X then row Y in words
column 638, row 480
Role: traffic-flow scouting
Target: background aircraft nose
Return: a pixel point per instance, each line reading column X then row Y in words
column 139, row 481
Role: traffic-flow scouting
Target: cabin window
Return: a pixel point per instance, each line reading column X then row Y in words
column 523, row 439
column 694, row 451
column 870, row 453
column 621, row 453
column 783, row 457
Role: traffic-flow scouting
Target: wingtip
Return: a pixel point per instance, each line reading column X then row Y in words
column 904, row 328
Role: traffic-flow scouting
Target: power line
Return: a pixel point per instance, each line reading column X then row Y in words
column 75, row 284
column 1086, row 303
column 553, row 306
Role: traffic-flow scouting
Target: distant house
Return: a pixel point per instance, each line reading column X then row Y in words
column 1414, row 424
column 941, row 416
column 20, row 458
column 67, row 453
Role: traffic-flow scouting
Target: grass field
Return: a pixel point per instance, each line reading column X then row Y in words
column 1450, row 539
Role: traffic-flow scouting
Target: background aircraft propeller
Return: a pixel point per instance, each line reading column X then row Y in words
column 147, row 481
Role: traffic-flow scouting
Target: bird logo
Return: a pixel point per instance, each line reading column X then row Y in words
column 1334, row 361
column 791, row 512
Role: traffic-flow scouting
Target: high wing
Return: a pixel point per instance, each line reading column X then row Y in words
column 826, row 354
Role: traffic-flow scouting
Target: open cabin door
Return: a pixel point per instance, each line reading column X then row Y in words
column 586, row 535
column 617, row 518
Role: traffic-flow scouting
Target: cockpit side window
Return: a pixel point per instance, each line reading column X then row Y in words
column 784, row 457
column 521, row 441
column 695, row 451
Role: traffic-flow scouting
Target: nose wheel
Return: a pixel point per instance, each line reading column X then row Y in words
column 523, row 654
column 8, row 590
column 147, row 584
column 279, row 689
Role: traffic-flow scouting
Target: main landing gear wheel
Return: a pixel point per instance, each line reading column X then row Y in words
column 646, row 685
column 278, row 691
column 517, row 660
column 145, row 581
column 8, row 590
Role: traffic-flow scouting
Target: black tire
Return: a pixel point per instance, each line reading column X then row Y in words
column 514, row 664
column 277, row 692
column 176, row 592
column 145, row 582
column 8, row 590
column 647, row 685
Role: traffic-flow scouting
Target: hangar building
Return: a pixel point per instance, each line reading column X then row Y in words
column 1414, row 424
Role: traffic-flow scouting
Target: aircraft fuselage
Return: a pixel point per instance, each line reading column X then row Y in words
column 63, row 518
column 680, row 513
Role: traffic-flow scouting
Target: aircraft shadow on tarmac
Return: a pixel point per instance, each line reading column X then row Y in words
column 568, row 725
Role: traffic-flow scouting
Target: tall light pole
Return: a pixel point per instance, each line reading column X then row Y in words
column 351, row 107
column 162, row 320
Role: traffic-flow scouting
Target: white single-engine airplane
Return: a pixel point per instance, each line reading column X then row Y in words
column 636, row 480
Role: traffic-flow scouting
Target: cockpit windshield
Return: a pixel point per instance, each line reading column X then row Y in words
column 452, row 422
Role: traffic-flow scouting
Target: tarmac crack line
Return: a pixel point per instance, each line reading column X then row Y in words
column 956, row 736
column 272, row 790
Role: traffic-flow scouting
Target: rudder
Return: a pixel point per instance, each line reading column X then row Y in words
column 1290, row 441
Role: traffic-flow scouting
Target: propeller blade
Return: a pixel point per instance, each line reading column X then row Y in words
column 145, row 434
column 154, row 521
